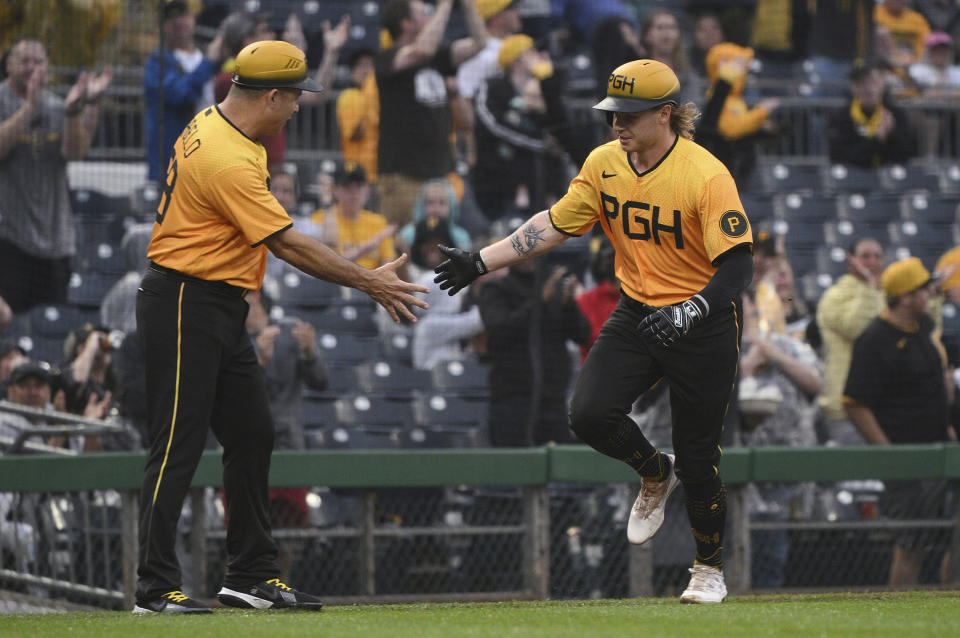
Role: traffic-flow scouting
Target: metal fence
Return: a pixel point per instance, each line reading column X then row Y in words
column 477, row 525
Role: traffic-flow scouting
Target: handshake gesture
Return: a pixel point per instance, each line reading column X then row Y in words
column 459, row 269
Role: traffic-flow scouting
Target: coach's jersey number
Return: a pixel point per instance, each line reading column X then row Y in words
column 636, row 226
column 190, row 144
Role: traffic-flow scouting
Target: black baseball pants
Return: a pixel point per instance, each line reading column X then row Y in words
column 700, row 369
column 202, row 373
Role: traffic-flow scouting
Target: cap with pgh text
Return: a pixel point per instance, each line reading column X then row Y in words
column 640, row 85
column 273, row 64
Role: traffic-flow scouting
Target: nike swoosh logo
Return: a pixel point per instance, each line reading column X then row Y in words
column 605, row 176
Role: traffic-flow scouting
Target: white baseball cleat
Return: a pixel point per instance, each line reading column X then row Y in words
column 706, row 586
column 646, row 517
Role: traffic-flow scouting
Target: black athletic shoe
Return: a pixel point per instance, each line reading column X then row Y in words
column 172, row 602
column 271, row 594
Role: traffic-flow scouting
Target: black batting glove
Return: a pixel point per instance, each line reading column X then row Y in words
column 459, row 270
column 666, row 325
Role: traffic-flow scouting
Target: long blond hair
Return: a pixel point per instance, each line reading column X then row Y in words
column 682, row 119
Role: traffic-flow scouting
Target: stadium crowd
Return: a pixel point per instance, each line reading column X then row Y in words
column 479, row 127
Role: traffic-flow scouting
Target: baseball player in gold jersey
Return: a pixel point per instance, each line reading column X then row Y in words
column 683, row 244
column 214, row 225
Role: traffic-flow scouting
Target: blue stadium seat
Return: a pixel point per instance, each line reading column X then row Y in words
column 318, row 412
column 341, row 377
column 806, row 178
column 808, row 208
column 40, row 348
column 55, row 321
column 347, row 318
column 843, row 232
column 803, row 260
column 93, row 203
column 102, row 257
column 927, row 241
column 299, row 289
column 871, row 209
column 433, row 409
column 466, row 377
column 898, row 178
column 934, row 209
column 362, row 409
column 391, row 379
column 397, row 347
column 344, row 348
column 852, row 179
column 759, row 208
column 799, row 233
column 89, row 288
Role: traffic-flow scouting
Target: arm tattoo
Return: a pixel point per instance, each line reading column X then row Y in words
column 532, row 236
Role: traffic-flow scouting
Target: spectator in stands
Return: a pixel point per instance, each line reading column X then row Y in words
column 439, row 334
column 780, row 378
column 729, row 128
column 909, row 29
column 897, row 392
column 284, row 188
column 869, row 131
column 579, row 18
column 894, row 67
column 796, row 311
column 763, row 288
column 597, row 302
column 242, row 28
column 941, row 15
column 39, row 134
column 415, row 109
column 287, row 352
column 356, row 233
column 32, row 385
column 707, row 33
column 777, row 37
column 436, row 201
column 11, row 355
column 529, row 314
column 501, row 20
column 937, row 75
column 118, row 310
column 838, row 34
column 6, row 315
column 358, row 115
column 515, row 113
column 87, row 368
column 615, row 41
column 661, row 37
column 173, row 82
column 843, row 313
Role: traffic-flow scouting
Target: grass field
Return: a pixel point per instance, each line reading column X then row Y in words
column 926, row 614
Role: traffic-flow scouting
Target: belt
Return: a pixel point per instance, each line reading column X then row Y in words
column 221, row 287
column 639, row 306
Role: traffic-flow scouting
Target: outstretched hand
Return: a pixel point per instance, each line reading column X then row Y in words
column 459, row 270
column 395, row 294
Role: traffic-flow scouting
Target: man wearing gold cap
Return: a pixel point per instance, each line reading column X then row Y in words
column 897, row 392
column 214, row 225
column 683, row 243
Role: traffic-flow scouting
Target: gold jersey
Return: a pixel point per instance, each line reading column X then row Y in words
column 668, row 224
column 217, row 210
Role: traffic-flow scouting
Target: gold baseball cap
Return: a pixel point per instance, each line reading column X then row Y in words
column 273, row 64
column 640, row 85
column 512, row 47
column 905, row 276
column 489, row 8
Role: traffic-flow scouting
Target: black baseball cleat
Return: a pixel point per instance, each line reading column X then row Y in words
column 270, row 594
column 172, row 602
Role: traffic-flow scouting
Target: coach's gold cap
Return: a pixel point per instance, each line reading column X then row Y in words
column 905, row 276
column 640, row 85
column 273, row 64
